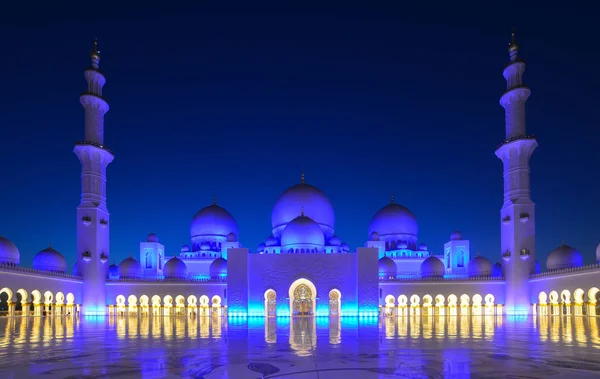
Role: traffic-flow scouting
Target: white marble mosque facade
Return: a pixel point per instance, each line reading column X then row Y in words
column 303, row 267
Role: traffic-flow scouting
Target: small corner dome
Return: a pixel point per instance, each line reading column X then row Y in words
column 374, row 236
column 598, row 253
column 260, row 248
column 422, row 247
column 394, row 220
column 113, row 271
column 130, row 268
column 213, row 221
column 564, row 256
column 335, row 241
column 205, row 245
column 345, row 247
column 302, row 231
column 232, row 237
column 402, row 245
column 76, row 271
column 537, row 268
column 456, row 236
column 185, row 249
column 9, row 252
column 497, row 270
column 271, row 241
column 49, row 260
column 218, row 268
column 175, row 268
column 479, row 266
column 152, row 238
column 387, row 267
column 432, row 267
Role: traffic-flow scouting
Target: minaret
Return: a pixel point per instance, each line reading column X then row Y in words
column 92, row 214
column 517, row 217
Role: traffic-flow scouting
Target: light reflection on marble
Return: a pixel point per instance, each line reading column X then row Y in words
column 205, row 347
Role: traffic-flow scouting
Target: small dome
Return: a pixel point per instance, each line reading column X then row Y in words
column 113, row 271
column 232, row 237
column 345, row 247
column 213, row 221
column 335, row 241
column 75, row 271
column 374, row 236
column 564, row 256
column 422, row 247
column 185, row 249
column 387, row 268
column 432, row 267
column 497, row 270
column 402, row 245
column 538, row 267
column 393, row 221
column 271, row 241
column 205, row 246
column 302, row 232
column 152, row 238
column 598, row 253
column 9, row 252
column 49, row 260
column 260, row 248
column 456, row 236
column 218, row 268
column 479, row 266
column 175, row 268
column 130, row 268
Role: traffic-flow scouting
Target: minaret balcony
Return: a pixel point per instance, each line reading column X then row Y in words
column 523, row 217
column 90, row 143
column 506, row 255
column 506, row 220
column 524, row 254
column 103, row 223
column 86, row 220
column 103, row 258
column 86, row 256
column 524, row 137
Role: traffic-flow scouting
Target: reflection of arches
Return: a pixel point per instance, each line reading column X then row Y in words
column 335, row 303
column 270, row 303
column 303, row 295
column 216, row 305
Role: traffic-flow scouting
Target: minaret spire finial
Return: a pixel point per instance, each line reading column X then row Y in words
column 513, row 47
column 95, row 54
column 302, row 178
column 215, row 199
column 302, row 211
column 392, row 201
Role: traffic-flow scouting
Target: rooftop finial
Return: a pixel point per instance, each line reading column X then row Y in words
column 302, row 178
column 392, row 201
column 513, row 47
column 302, row 211
column 563, row 243
column 95, row 54
column 215, row 199
column 130, row 254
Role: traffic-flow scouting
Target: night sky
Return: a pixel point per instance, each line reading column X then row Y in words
column 238, row 102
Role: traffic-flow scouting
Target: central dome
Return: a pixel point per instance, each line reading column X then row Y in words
column 564, row 256
column 394, row 222
column 49, row 260
column 316, row 206
column 302, row 233
column 213, row 221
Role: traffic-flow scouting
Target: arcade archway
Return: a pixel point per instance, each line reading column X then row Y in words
column 303, row 298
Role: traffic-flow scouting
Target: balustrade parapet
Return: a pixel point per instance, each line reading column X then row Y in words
column 9, row 267
column 168, row 280
column 443, row 279
column 590, row 267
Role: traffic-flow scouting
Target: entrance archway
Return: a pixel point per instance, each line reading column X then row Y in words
column 270, row 303
column 303, row 298
column 335, row 303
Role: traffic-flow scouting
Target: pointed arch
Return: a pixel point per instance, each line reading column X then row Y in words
column 303, row 294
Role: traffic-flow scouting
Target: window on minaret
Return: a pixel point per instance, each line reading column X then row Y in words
column 160, row 262
column 461, row 261
column 148, row 260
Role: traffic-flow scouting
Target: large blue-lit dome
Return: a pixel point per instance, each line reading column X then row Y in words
column 316, row 206
column 564, row 256
column 479, row 266
column 49, row 260
column 213, row 221
column 218, row 268
column 432, row 267
column 9, row 252
column 394, row 222
column 387, row 268
column 302, row 233
column 175, row 268
column 130, row 268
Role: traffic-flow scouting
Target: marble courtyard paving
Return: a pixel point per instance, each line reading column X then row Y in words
column 180, row 347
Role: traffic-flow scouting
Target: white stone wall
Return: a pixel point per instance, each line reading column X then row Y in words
column 29, row 281
column 568, row 279
column 162, row 289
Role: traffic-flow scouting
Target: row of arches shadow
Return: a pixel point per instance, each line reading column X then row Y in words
column 441, row 306
column 36, row 303
column 578, row 303
column 168, row 306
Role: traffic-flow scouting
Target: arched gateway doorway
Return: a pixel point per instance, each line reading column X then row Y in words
column 303, row 294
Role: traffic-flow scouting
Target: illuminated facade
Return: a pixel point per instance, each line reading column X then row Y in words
column 303, row 268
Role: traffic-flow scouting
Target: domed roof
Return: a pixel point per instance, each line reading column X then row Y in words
column 49, row 260
column 422, row 247
column 564, row 256
column 152, row 238
column 76, row 271
column 456, row 236
column 130, row 268
column 335, row 241
column 218, row 268
column 387, row 267
column 260, row 248
column 302, row 231
column 232, row 237
column 175, row 268
column 9, row 252
column 598, row 253
column 497, row 270
column 316, row 206
column 374, row 236
column 113, row 271
column 345, row 247
column 432, row 267
column 537, row 268
column 271, row 241
column 186, row 249
column 213, row 221
column 393, row 220
column 402, row 245
column 479, row 266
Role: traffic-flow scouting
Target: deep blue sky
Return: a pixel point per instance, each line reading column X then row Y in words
column 367, row 101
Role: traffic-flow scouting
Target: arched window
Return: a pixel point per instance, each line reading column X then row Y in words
column 148, row 260
column 160, row 261
column 461, row 260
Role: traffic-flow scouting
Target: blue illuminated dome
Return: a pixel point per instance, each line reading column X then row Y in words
column 497, row 270
column 538, row 267
column 186, row 249
column 9, row 252
column 152, row 238
column 232, row 237
column 49, row 260
column 218, row 268
column 175, row 268
column 395, row 222
column 213, row 222
column 335, row 241
column 387, row 268
column 456, row 236
column 113, row 271
column 260, row 248
column 564, row 256
column 422, row 247
column 76, row 271
column 432, row 267
column 271, row 241
column 130, row 268
column 374, row 236
column 302, row 233
column 479, row 266
column 316, row 206
column 345, row 247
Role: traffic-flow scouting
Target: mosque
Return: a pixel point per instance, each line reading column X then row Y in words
column 303, row 268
